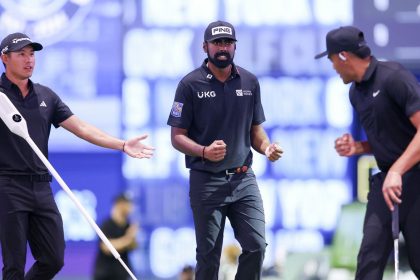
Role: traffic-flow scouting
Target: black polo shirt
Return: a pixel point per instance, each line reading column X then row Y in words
column 40, row 108
column 211, row 110
column 385, row 99
column 106, row 266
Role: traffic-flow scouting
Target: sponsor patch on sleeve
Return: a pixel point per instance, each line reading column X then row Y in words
column 177, row 109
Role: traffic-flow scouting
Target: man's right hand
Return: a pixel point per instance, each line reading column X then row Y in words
column 216, row 151
column 345, row 145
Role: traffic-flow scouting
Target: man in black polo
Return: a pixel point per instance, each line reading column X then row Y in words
column 387, row 99
column 122, row 235
column 28, row 213
column 216, row 118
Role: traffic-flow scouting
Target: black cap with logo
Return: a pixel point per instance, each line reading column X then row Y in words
column 346, row 38
column 17, row 41
column 219, row 30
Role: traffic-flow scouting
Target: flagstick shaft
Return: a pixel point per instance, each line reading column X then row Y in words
column 396, row 261
column 79, row 205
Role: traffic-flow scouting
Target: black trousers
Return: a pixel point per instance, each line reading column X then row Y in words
column 214, row 197
column 377, row 242
column 29, row 214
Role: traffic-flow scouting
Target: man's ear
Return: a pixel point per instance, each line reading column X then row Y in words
column 205, row 47
column 3, row 58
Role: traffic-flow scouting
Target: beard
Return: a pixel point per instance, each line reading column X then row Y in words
column 221, row 63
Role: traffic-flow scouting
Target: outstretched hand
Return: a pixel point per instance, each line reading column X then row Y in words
column 136, row 149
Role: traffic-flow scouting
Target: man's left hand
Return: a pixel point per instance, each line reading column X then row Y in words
column 273, row 152
column 392, row 189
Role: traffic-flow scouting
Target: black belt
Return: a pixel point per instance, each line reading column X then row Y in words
column 237, row 170
column 33, row 177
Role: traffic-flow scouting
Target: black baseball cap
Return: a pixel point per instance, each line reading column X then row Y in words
column 219, row 30
column 17, row 41
column 345, row 38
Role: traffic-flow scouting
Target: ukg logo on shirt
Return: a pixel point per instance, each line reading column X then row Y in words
column 206, row 94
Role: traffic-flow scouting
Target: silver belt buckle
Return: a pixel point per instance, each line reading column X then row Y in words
column 229, row 173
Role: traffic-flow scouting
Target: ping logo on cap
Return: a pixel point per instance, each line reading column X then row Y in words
column 221, row 30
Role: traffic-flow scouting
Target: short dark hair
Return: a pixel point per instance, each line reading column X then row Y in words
column 187, row 268
column 122, row 197
column 363, row 52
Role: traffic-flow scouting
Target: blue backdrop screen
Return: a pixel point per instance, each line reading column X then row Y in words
column 117, row 65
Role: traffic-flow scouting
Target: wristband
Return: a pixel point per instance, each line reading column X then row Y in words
column 202, row 158
column 123, row 146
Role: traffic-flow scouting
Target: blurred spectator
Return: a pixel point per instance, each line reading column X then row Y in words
column 187, row 273
column 229, row 262
column 122, row 236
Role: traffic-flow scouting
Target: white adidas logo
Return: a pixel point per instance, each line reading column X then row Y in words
column 43, row 104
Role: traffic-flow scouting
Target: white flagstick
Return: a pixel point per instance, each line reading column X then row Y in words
column 17, row 124
column 396, row 262
column 395, row 236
